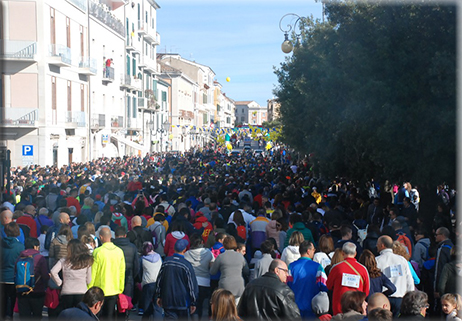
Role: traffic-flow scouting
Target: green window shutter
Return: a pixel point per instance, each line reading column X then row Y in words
column 164, row 96
column 128, row 106
column 134, row 66
column 134, row 107
column 154, row 88
column 204, row 119
column 128, row 65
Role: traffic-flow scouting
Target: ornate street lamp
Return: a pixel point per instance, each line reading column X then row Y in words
column 164, row 129
column 287, row 45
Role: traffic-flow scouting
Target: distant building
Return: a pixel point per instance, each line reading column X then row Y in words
column 250, row 113
column 273, row 109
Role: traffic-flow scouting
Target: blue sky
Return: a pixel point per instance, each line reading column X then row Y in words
column 237, row 39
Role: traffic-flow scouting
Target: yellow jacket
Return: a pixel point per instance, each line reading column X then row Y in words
column 108, row 269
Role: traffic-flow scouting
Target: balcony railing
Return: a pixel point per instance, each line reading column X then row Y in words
column 18, row 116
column 61, row 51
column 82, row 4
column 117, row 121
column 14, row 49
column 142, row 27
column 108, row 73
column 88, row 63
column 125, row 80
column 98, row 120
column 103, row 14
column 76, row 117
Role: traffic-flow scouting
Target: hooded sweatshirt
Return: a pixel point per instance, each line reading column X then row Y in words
column 272, row 232
column 299, row 226
column 170, row 241
column 200, row 259
column 151, row 264
column 290, row 254
column 11, row 248
column 58, row 249
column 200, row 219
column 420, row 253
column 120, row 220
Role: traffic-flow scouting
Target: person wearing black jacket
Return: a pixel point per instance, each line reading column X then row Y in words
column 443, row 254
column 269, row 297
column 132, row 259
column 138, row 235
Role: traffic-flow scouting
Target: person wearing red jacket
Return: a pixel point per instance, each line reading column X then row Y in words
column 200, row 219
column 28, row 218
column 348, row 275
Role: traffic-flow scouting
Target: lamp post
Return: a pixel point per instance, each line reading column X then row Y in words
column 150, row 125
column 192, row 134
column 287, row 45
column 164, row 129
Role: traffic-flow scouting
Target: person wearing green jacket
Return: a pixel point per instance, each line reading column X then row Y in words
column 108, row 272
column 299, row 226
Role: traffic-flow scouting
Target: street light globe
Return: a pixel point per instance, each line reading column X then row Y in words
column 287, row 46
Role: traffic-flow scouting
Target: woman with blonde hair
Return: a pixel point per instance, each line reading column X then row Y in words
column 291, row 253
column 223, row 306
column 400, row 249
column 325, row 250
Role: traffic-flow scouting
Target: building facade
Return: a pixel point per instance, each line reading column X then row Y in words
column 273, row 109
column 250, row 113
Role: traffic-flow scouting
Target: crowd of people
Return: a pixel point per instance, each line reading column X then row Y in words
column 206, row 235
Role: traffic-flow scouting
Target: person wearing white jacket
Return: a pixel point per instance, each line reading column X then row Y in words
column 396, row 268
column 200, row 259
column 151, row 263
column 291, row 252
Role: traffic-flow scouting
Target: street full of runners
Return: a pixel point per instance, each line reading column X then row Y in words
column 210, row 235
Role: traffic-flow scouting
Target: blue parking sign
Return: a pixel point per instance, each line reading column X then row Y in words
column 27, row 150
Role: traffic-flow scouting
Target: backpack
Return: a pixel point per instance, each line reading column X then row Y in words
column 155, row 237
column 216, row 252
column 403, row 239
column 138, row 241
column 362, row 233
column 24, row 278
column 242, row 232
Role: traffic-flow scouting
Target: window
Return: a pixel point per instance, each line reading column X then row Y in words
column 69, row 96
column 82, row 43
column 134, row 107
column 204, row 119
column 68, row 32
column 128, row 106
column 154, row 88
column 53, row 93
column 134, row 66
column 52, row 27
column 204, row 98
column 128, row 65
column 82, row 97
column 164, row 96
column 242, row 119
column 218, row 108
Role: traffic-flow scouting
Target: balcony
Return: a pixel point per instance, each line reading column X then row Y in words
column 81, row 4
column 87, row 66
column 104, row 15
column 16, row 55
column 130, row 82
column 117, row 122
column 19, row 117
column 75, row 119
column 153, row 38
column 108, row 74
column 150, row 65
column 129, row 45
column 142, row 28
column 60, row 55
column 98, row 122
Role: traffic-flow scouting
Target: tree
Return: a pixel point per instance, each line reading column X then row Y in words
column 371, row 92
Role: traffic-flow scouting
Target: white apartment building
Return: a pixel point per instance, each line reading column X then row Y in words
column 79, row 80
column 250, row 113
column 194, row 105
column 224, row 108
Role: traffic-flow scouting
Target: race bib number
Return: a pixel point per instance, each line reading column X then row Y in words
column 395, row 271
column 350, row 280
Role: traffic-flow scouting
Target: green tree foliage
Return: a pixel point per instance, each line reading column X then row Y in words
column 371, row 92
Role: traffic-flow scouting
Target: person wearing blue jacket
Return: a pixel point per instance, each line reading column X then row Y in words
column 11, row 249
column 305, row 271
column 177, row 289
